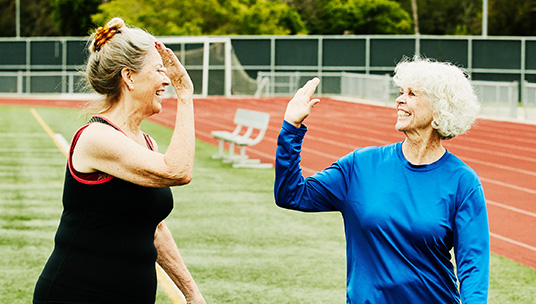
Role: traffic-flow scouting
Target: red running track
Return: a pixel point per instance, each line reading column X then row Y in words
column 502, row 153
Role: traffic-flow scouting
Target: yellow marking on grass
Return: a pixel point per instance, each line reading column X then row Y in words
column 171, row 290
column 49, row 131
column 167, row 284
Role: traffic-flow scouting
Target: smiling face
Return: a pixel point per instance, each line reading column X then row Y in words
column 150, row 83
column 414, row 111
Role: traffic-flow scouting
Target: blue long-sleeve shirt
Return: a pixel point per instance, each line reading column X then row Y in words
column 401, row 221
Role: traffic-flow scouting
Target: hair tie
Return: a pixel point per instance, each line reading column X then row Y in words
column 102, row 36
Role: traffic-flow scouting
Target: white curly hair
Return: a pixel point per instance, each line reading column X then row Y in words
column 451, row 95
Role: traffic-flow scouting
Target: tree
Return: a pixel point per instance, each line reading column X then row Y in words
column 512, row 18
column 73, row 17
column 447, row 17
column 205, row 17
column 360, row 17
column 34, row 18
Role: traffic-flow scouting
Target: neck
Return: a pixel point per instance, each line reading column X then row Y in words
column 125, row 117
column 420, row 150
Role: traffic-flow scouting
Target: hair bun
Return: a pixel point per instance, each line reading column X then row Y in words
column 116, row 23
column 105, row 33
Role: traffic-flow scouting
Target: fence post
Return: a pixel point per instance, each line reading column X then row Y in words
column 19, row 81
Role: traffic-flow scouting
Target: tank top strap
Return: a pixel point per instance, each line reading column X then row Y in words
column 101, row 120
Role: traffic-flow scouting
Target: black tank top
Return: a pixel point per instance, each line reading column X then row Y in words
column 104, row 247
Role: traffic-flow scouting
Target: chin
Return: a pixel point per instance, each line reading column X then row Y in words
column 399, row 128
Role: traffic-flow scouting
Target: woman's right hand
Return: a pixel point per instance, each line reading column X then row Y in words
column 301, row 105
column 176, row 72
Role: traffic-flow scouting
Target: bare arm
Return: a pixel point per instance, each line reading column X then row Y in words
column 102, row 148
column 170, row 260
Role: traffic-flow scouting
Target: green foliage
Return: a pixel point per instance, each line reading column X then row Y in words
column 360, row 17
column 452, row 17
column 34, row 18
column 72, row 17
column 516, row 18
column 204, row 17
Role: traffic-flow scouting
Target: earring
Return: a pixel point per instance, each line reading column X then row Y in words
column 131, row 87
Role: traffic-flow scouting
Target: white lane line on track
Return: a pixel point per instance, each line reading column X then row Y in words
column 509, row 240
column 504, row 206
column 507, row 185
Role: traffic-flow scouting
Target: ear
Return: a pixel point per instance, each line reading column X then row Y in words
column 126, row 76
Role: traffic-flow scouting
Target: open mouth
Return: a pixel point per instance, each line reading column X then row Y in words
column 402, row 113
column 160, row 93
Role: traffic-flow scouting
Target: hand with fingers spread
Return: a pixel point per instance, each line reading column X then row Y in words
column 301, row 105
column 175, row 71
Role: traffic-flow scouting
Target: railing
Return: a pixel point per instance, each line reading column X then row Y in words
column 366, row 86
column 287, row 83
column 529, row 100
column 498, row 99
column 41, row 82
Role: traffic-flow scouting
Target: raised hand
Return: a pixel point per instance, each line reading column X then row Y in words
column 175, row 71
column 301, row 105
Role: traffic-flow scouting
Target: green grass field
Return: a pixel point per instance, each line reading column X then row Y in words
column 239, row 246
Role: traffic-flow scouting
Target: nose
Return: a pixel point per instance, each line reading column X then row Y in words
column 165, row 80
column 400, row 100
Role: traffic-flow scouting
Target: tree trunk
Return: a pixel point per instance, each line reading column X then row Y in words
column 415, row 16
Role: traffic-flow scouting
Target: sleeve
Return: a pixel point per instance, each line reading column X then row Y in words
column 471, row 247
column 324, row 191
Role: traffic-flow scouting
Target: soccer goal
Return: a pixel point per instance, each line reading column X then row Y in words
column 210, row 61
column 207, row 60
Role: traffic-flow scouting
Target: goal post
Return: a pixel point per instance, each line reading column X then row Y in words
column 208, row 60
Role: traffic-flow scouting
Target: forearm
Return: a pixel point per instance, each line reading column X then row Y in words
column 171, row 261
column 472, row 249
column 288, row 177
column 179, row 156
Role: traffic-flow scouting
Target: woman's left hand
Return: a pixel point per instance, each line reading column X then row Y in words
column 175, row 71
column 301, row 105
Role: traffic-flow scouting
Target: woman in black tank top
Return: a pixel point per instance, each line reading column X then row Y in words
column 116, row 192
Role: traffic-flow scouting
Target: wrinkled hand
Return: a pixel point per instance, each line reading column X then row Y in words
column 301, row 105
column 175, row 71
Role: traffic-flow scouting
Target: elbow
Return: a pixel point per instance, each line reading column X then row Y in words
column 186, row 179
column 183, row 178
column 179, row 177
column 280, row 200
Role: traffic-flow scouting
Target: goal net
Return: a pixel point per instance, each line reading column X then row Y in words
column 212, row 65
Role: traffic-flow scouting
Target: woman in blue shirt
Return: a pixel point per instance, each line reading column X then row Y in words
column 404, row 205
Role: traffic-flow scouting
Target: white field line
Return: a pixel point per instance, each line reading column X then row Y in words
column 15, row 134
column 20, row 150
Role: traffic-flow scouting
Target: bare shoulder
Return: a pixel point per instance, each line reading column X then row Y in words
column 96, row 142
column 97, row 136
